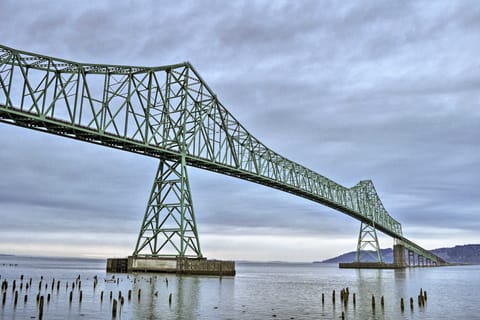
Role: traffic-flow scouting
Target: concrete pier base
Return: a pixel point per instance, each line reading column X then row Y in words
column 179, row 265
column 370, row 265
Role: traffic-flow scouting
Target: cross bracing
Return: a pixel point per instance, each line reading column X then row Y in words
column 170, row 113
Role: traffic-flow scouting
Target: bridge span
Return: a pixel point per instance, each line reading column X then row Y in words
column 170, row 113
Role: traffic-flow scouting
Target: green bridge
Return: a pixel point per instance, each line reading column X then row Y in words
column 171, row 114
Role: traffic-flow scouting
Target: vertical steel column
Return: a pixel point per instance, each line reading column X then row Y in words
column 169, row 227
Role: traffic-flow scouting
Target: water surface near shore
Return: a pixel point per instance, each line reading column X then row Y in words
column 258, row 291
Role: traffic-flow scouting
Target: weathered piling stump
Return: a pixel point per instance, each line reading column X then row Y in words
column 101, row 296
column 382, row 302
column 15, row 298
column 323, row 298
column 40, row 308
column 354, row 299
column 373, row 301
column 425, row 295
column 48, row 298
column 402, row 305
column 114, row 308
column 333, row 297
column 111, row 294
column 343, row 315
column 71, row 297
column 129, row 295
column 4, row 297
column 80, row 297
column 170, row 298
column 139, row 293
column 25, row 299
column 411, row 303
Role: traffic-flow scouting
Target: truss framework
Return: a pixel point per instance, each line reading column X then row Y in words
column 368, row 241
column 169, row 227
column 165, row 112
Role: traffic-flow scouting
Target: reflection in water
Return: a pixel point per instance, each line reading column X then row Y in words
column 187, row 297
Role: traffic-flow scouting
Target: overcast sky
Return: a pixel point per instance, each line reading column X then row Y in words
column 380, row 90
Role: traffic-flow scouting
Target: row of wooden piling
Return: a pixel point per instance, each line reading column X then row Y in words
column 345, row 293
column 77, row 284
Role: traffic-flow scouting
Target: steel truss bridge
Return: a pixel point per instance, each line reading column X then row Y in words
column 171, row 114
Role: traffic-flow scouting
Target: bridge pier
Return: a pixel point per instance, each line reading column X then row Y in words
column 178, row 265
column 399, row 256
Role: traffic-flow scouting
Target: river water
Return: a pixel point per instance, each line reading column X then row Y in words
column 258, row 291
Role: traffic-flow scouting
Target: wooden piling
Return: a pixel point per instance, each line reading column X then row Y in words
column 80, row 297
column 411, row 303
column 114, row 308
column 382, row 302
column 402, row 305
column 15, row 299
column 425, row 295
column 25, row 299
column 170, row 298
column 71, row 297
column 323, row 298
column 139, row 293
column 40, row 308
column 354, row 299
column 101, row 296
column 373, row 301
column 4, row 297
column 333, row 297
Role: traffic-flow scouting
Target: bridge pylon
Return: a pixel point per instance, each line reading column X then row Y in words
column 368, row 240
column 169, row 228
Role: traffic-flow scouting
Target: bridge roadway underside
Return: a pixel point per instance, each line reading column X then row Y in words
column 22, row 118
column 65, row 129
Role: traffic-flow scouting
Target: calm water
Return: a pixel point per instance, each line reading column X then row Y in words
column 259, row 291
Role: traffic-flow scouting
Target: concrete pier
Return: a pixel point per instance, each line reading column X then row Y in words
column 179, row 265
column 369, row 265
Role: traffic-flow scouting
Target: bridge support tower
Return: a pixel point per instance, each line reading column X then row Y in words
column 168, row 240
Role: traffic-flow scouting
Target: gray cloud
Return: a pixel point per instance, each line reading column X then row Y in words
column 374, row 90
